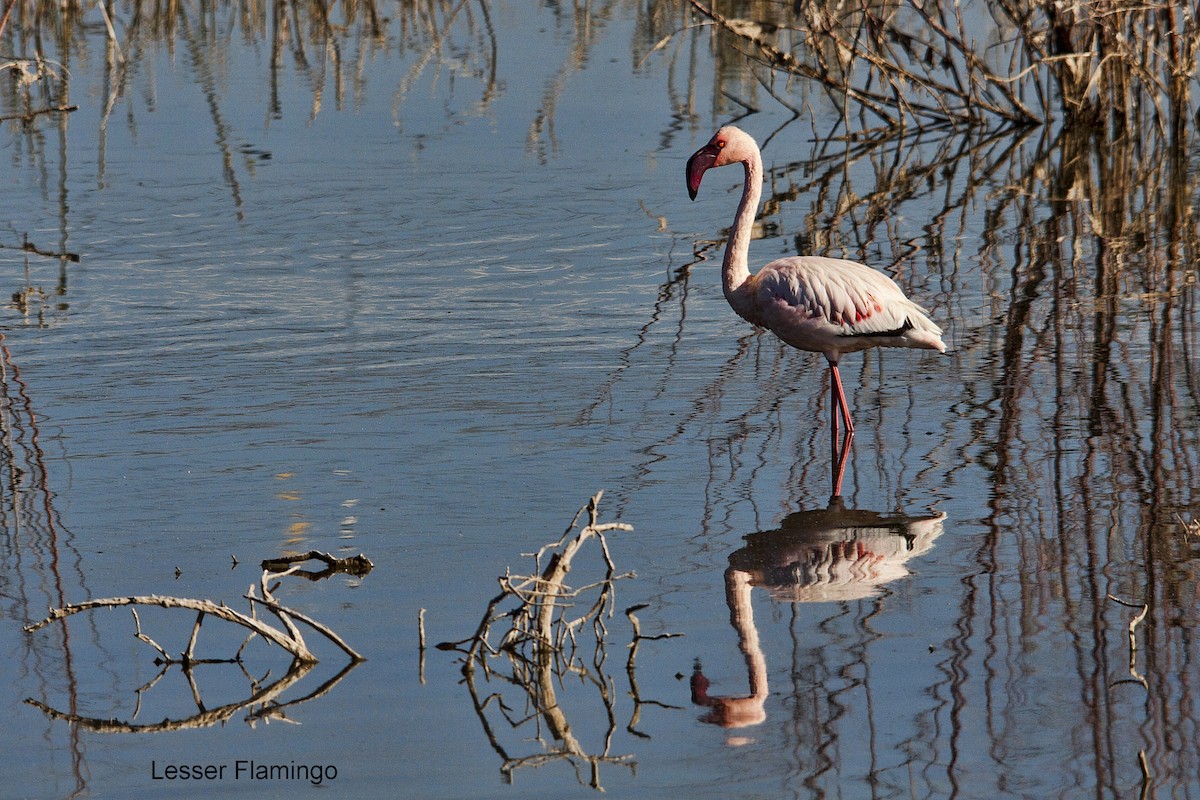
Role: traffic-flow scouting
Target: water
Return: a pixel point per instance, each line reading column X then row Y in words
column 420, row 298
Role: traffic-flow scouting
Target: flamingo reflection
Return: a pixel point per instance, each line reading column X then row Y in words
column 822, row 555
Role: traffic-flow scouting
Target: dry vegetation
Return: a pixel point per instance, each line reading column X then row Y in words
column 263, row 698
column 1123, row 67
column 540, row 651
column 528, row 644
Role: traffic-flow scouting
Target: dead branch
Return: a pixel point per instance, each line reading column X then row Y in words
column 1137, row 677
column 137, row 624
column 358, row 565
column 1123, row 68
column 312, row 623
column 272, row 635
column 537, row 648
column 288, row 639
column 29, row 116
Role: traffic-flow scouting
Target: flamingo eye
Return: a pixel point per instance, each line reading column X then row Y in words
column 721, row 143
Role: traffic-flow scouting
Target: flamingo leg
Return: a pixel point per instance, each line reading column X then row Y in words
column 839, row 467
column 841, row 449
column 835, row 386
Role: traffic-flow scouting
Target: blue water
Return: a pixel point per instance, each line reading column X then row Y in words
column 426, row 317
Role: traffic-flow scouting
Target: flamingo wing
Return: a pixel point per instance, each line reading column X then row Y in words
column 813, row 302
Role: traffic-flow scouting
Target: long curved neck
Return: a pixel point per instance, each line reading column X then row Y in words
column 736, row 269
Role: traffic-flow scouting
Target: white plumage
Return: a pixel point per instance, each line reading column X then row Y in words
column 833, row 306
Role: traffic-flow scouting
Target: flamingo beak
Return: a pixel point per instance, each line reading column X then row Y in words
column 703, row 159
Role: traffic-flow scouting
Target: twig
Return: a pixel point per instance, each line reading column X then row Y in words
column 1191, row 528
column 312, row 623
column 8, row 7
column 29, row 115
column 191, row 646
column 421, row 635
column 292, row 630
column 137, row 624
column 29, row 247
column 1133, row 623
column 539, row 644
column 637, row 628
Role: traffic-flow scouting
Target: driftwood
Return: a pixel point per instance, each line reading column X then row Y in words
column 530, row 641
column 539, row 596
column 262, row 698
column 358, row 565
column 296, row 648
column 289, row 639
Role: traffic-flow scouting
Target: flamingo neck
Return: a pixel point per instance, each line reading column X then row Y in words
column 735, row 270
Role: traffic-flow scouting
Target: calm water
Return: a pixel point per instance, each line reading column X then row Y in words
column 420, row 295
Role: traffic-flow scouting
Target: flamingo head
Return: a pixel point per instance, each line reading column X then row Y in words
column 729, row 145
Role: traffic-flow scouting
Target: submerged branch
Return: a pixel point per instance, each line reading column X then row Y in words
column 358, row 565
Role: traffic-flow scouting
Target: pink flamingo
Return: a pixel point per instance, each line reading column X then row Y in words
column 824, row 305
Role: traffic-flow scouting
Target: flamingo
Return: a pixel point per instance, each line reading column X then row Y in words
column 823, row 305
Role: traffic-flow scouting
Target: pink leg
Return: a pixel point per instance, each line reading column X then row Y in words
column 833, row 410
column 836, row 384
column 838, row 405
column 839, row 467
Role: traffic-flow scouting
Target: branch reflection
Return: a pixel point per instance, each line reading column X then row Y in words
column 39, row 557
column 262, row 704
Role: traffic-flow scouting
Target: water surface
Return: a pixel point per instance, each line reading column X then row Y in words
column 421, row 295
